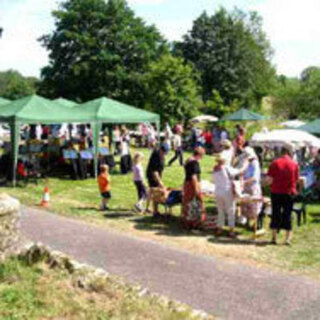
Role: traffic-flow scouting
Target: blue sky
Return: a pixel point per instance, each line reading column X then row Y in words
column 291, row 25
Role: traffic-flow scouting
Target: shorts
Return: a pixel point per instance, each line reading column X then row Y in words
column 153, row 183
column 106, row 195
column 141, row 189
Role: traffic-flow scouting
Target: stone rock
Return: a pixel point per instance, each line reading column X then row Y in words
column 9, row 224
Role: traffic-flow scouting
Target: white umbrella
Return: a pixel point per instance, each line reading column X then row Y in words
column 280, row 137
column 293, row 124
column 204, row 118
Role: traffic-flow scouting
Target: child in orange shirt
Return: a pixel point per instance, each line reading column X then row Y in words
column 104, row 186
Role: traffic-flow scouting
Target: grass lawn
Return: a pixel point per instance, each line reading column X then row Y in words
column 80, row 199
column 37, row 292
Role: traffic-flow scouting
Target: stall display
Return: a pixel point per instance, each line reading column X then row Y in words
column 37, row 110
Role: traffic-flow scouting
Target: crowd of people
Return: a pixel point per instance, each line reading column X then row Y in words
column 237, row 173
column 237, row 176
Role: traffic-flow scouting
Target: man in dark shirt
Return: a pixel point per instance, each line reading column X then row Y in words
column 154, row 173
column 283, row 176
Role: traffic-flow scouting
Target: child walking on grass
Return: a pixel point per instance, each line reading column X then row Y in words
column 138, row 178
column 104, row 183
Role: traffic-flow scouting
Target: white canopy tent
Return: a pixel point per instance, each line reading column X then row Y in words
column 204, row 118
column 278, row 138
column 293, row 124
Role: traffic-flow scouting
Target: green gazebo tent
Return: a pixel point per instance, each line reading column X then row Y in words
column 66, row 103
column 32, row 110
column 4, row 101
column 312, row 127
column 108, row 111
column 244, row 115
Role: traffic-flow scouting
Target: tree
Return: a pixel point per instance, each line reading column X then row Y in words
column 285, row 97
column 172, row 89
column 309, row 94
column 232, row 54
column 215, row 105
column 14, row 86
column 298, row 98
column 98, row 49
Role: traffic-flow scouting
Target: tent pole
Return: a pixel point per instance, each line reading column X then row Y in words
column 110, row 138
column 95, row 136
column 15, row 137
column 158, row 132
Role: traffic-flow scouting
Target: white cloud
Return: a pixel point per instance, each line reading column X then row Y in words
column 23, row 23
column 293, row 29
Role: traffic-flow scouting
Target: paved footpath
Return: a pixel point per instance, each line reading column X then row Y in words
column 227, row 290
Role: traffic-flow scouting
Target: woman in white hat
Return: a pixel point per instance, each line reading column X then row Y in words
column 223, row 176
column 252, row 186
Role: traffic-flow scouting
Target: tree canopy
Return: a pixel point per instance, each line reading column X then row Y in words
column 99, row 48
column 298, row 98
column 14, row 86
column 172, row 89
column 232, row 54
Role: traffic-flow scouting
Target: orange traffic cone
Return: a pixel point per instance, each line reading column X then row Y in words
column 46, row 196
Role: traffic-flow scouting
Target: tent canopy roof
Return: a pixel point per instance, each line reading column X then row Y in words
column 111, row 111
column 283, row 136
column 4, row 101
column 293, row 124
column 312, row 127
column 36, row 109
column 66, row 103
column 244, row 115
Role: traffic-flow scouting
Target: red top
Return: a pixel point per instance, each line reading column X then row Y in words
column 285, row 173
column 21, row 170
column 208, row 137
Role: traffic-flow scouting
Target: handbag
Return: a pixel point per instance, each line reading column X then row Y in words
column 236, row 189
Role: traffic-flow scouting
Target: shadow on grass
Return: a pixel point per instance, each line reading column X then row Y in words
column 229, row 241
column 111, row 214
column 87, row 208
column 167, row 225
column 315, row 218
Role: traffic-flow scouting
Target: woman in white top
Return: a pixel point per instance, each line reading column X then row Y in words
column 227, row 152
column 226, row 200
